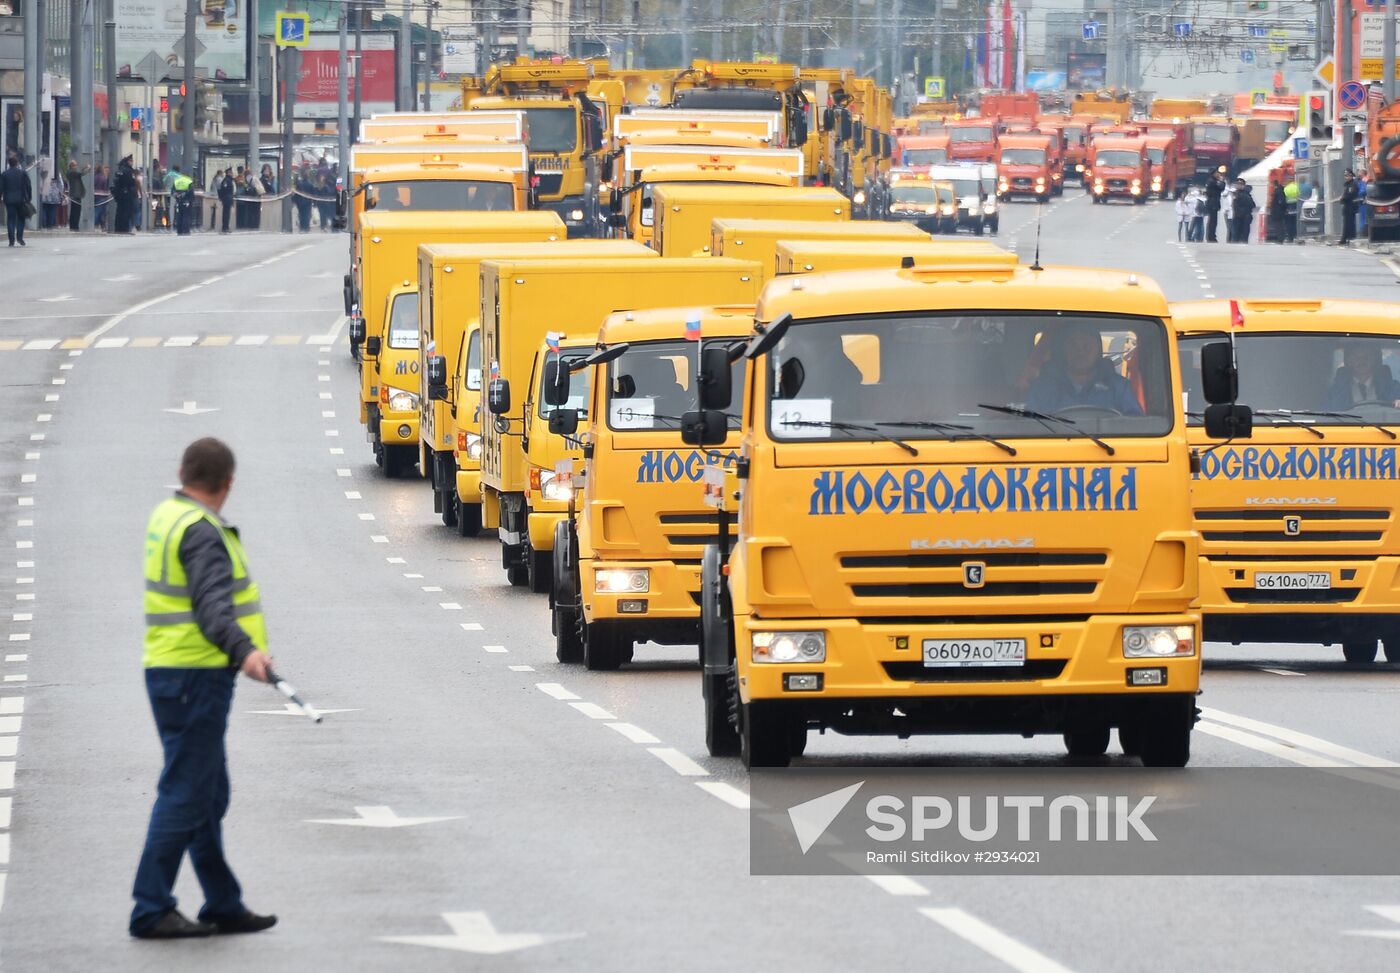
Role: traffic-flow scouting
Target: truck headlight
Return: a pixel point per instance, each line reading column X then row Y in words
column 949, row 210
column 1156, row 182
column 401, row 401
column 858, row 198
column 1158, row 641
column 575, row 216
column 556, row 486
column 622, row 581
column 1079, row 167
column 1040, row 180
column 1098, row 188
column 789, row 647
column 1002, row 186
column 989, row 208
column 473, row 446
column 1137, row 183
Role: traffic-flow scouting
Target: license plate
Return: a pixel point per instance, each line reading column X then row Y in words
column 969, row 653
column 1292, row 580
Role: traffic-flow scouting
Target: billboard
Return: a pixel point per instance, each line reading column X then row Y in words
column 317, row 89
column 157, row 27
column 1086, row 71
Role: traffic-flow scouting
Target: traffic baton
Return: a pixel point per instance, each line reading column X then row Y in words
column 286, row 689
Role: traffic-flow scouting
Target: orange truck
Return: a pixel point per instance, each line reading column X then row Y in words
column 1118, row 168
column 1171, row 162
column 1215, row 143
column 921, row 150
column 1382, row 212
column 972, row 140
column 1029, row 165
column 1007, row 106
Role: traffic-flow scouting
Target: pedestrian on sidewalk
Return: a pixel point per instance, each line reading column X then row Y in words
column 76, row 193
column 1214, row 187
column 124, row 193
column 18, row 198
column 1278, row 210
column 1196, row 201
column 225, row 192
column 204, row 625
column 1227, row 210
column 101, row 196
column 52, row 199
column 1349, row 196
column 1292, row 202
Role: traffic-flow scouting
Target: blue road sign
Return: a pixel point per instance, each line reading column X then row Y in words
column 1300, row 148
column 1091, row 30
column 1352, row 94
column 293, row 29
column 1181, row 29
column 1247, row 56
column 1258, row 30
column 142, row 115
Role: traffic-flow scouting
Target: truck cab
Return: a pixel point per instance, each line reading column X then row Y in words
column 394, row 433
column 1169, row 166
column 758, row 240
column 976, row 189
column 1298, row 538
column 1029, row 165
column 1119, row 169
column 1215, row 141
column 914, row 151
column 972, row 140
column 918, row 199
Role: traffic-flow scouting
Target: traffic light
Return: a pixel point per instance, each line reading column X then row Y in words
column 1257, row 6
column 175, row 105
column 165, row 104
column 1319, row 106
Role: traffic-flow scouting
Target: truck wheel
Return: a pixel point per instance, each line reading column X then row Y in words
column 1130, row 740
column 602, row 646
column 1166, row 735
column 468, row 516
column 1360, row 651
column 721, row 736
column 766, row 737
column 449, row 510
column 1087, row 743
column 568, row 644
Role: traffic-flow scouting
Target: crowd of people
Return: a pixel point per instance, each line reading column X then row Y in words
column 1201, row 209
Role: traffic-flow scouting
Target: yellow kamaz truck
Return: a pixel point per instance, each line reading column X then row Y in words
column 626, row 567
column 743, row 87
column 962, row 509
column 823, row 256
column 684, row 213
column 1297, row 526
column 449, row 283
column 521, row 302
column 758, row 240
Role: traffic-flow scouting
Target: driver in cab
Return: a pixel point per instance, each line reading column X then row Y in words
column 1078, row 375
column 1362, row 380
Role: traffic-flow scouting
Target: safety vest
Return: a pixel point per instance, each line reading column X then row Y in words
column 173, row 639
column 182, row 182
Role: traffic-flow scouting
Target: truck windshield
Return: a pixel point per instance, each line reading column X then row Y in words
column 403, row 321
column 729, row 99
column 552, row 130
column 441, row 196
column 1074, row 135
column 967, row 188
column 968, row 133
column 1350, row 376
column 1213, row 134
column 1118, row 158
column 1155, row 156
column 580, row 384
column 1023, row 157
column 915, row 376
column 914, row 192
column 653, row 385
column 473, row 368
column 925, row 157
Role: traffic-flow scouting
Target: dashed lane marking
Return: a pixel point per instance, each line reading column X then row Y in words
column 993, row 942
column 898, row 884
column 726, row 792
column 494, row 649
column 554, row 690
column 678, row 761
column 593, row 711
column 522, row 668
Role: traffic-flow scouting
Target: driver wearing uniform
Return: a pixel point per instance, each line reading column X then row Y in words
column 1362, row 379
column 1079, row 375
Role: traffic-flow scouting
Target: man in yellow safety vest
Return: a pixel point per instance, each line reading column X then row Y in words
column 204, row 625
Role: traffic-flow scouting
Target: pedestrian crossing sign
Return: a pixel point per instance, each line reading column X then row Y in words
column 293, row 29
column 934, row 88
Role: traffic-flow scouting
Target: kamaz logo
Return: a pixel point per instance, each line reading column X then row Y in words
column 971, row 543
column 1290, row 501
column 1292, row 526
column 974, row 574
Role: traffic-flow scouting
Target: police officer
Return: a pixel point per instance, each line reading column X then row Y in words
column 204, row 625
column 182, row 186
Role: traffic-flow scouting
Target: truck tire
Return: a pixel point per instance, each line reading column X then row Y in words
column 1166, row 734
column 720, row 689
column 449, row 510
column 1087, row 743
column 1360, row 651
column 1130, row 740
column 1388, row 159
column 603, row 649
column 468, row 516
column 766, row 736
column 565, row 611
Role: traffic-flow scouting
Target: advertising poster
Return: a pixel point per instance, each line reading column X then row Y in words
column 146, row 27
column 317, row 91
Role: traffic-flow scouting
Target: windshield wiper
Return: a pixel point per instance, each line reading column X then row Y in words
column 958, row 432
column 1045, row 418
column 1283, row 415
column 854, row 427
column 1360, row 420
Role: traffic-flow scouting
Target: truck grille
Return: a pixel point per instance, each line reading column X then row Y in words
column 692, row 531
column 1021, row 181
column 1330, row 525
column 1014, row 574
column 1033, row 670
column 548, row 183
column 1328, row 596
column 1117, row 184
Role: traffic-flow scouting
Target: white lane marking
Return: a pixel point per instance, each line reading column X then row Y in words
column 18, row 677
column 181, row 341
column 395, row 560
column 18, row 657
column 379, row 538
column 31, row 455
column 51, row 397
column 36, row 437
column 431, row 589
column 24, row 545
column 327, row 415
column 24, row 597
column 725, row 791
column 28, row 477
column 4, row 812
column 497, row 650
column 332, row 432
column 449, row 606
column 9, row 747
column 337, row 451
column 326, row 395
column 11, row 705
column 522, row 668
column 44, row 417
column 678, row 761
column 1263, row 745
column 1281, row 672
column 26, row 501
column 555, row 690
column 323, row 378
column 24, row 580
column 898, row 884
column 593, row 711
column 251, row 339
column 324, row 361
column 24, row 564
column 1294, row 737
column 471, row 627
column 19, row 636
column 993, row 942
column 10, row 724
column 342, row 472
column 22, row 617
column 112, row 342
column 352, row 495
column 366, row 516
column 41, row 344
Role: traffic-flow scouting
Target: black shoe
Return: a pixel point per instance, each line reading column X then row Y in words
column 173, row 925
column 248, row 922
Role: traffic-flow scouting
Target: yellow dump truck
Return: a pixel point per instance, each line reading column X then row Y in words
column 822, row 256
column 758, row 240
column 684, row 213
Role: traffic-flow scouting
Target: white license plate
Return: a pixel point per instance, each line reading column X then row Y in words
column 1292, row 580
column 969, row 653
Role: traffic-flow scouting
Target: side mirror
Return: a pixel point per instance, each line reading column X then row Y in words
column 614, row 200
column 372, row 346
column 771, row 335
column 617, row 220
column 563, row 422
column 498, row 396
column 593, row 132
column 1220, row 380
column 437, row 378
column 858, row 133
column 1228, row 421
column 828, row 119
column 707, row 427
column 716, row 381
column 371, row 199
column 845, row 127
column 357, row 331
column 556, row 384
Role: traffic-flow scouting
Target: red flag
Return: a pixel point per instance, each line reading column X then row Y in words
column 1236, row 315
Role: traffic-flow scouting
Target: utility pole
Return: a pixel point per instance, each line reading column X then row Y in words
column 187, row 156
column 1389, row 42
column 291, row 76
column 895, row 65
column 112, row 137
column 359, row 64
column 685, row 32
column 404, row 99
column 428, row 60
column 255, row 92
column 33, row 70
column 1113, row 77
column 342, row 89
column 716, row 32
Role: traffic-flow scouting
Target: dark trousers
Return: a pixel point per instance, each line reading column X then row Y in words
column 226, row 209
column 1348, row 222
column 1239, row 229
column 75, row 212
column 1211, row 218
column 191, row 709
column 14, row 222
column 303, row 214
column 184, row 212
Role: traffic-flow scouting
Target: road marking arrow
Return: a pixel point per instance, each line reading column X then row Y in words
column 190, row 409
column 380, row 817
column 1391, row 912
column 292, row 709
column 472, row 932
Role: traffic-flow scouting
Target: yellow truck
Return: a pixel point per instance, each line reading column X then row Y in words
column 824, row 88
column 758, row 240
column 522, row 301
column 394, row 433
column 388, row 258
column 449, row 283
column 741, row 87
column 625, row 567
column 764, row 126
column 823, row 256
column 683, row 214
column 506, row 124
column 958, row 513
column 1297, row 539
column 564, row 132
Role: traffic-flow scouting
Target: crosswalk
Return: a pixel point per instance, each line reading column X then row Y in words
column 171, row 341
